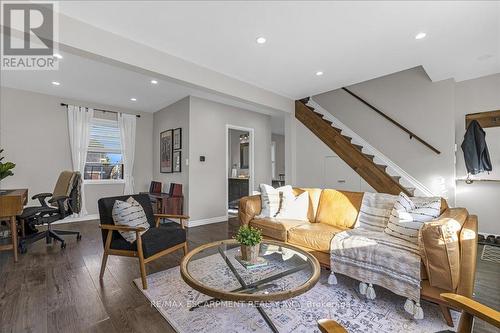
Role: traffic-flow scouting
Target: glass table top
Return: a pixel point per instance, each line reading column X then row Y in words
column 216, row 270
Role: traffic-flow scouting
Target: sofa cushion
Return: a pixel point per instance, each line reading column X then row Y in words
column 314, row 196
column 294, row 207
column 271, row 199
column 339, row 208
column 275, row 228
column 408, row 215
column 316, row 236
column 440, row 248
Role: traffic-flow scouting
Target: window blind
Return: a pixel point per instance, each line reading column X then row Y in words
column 104, row 136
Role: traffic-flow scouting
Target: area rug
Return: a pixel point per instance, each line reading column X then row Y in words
column 172, row 297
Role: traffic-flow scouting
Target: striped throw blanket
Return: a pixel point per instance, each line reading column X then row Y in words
column 370, row 255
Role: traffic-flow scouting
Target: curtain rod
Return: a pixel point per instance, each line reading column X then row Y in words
column 137, row 115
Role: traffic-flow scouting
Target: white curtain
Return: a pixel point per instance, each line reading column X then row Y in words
column 127, row 124
column 79, row 127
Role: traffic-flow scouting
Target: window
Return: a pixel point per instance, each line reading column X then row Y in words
column 104, row 155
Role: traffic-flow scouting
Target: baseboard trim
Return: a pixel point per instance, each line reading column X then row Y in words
column 210, row 220
column 71, row 219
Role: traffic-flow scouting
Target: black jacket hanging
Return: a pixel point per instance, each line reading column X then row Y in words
column 477, row 158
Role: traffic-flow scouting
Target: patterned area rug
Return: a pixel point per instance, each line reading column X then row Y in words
column 342, row 302
column 491, row 253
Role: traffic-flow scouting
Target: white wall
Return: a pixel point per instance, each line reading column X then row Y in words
column 480, row 198
column 173, row 116
column 34, row 134
column 207, row 137
column 409, row 97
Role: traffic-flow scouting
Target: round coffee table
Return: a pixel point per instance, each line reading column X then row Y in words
column 216, row 270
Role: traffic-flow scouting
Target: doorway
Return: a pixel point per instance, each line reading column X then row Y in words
column 239, row 166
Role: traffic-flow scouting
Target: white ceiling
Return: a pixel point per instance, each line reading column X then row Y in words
column 101, row 83
column 89, row 80
column 349, row 41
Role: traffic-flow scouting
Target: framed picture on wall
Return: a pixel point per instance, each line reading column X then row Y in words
column 177, row 160
column 166, row 142
column 177, row 138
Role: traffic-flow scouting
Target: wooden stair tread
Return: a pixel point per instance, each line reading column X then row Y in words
column 359, row 147
column 369, row 156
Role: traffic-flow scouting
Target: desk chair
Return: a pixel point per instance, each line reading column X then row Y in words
column 159, row 240
column 63, row 202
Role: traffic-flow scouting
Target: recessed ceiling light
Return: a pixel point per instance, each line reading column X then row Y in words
column 420, row 35
column 261, row 40
column 154, row 82
column 58, row 56
column 319, row 73
column 56, row 83
column 133, row 99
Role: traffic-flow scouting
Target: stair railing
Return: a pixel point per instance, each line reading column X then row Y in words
column 378, row 155
column 404, row 129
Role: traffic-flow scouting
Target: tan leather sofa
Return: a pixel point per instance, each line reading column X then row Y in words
column 448, row 245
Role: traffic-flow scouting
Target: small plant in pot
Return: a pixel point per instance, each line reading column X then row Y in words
column 249, row 239
column 5, row 168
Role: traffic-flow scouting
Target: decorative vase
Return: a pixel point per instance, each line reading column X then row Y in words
column 250, row 253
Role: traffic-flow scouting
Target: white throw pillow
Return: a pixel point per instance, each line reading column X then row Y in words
column 295, row 207
column 129, row 213
column 271, row 199
column 409, row 215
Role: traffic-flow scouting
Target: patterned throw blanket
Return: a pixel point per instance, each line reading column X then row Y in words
column 371, row 256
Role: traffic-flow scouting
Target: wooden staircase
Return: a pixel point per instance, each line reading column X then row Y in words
column 373, row 173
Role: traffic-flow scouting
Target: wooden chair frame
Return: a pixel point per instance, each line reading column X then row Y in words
column 139, row 253
column 471, row 309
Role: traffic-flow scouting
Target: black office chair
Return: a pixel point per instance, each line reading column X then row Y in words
column 159, row 240
column 64, row 201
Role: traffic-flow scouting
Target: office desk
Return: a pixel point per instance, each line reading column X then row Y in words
column 11, row 205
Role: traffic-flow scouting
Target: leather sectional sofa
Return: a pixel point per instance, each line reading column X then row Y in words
column 448, row 244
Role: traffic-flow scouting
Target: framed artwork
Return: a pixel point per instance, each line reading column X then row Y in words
column 177, row 138
column 177, row 160
column 166, row 140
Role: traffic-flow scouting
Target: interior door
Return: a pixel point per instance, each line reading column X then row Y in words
column 338, row 175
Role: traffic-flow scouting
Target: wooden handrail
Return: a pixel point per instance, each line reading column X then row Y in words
column 404, row 129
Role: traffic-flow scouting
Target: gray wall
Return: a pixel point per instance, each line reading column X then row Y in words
column 173, row 116
column 34, row 134
column 207, row 137
column 480, row 198
column 424, row 107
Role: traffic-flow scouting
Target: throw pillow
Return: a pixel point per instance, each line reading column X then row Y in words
column 295, row 208
column 408, row 216
column 271, row 199
column 129, row 213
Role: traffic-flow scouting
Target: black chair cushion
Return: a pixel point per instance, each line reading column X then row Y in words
column 32, row 211
column 154, row 240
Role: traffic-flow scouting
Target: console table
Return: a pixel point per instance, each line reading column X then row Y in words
column 11, row 205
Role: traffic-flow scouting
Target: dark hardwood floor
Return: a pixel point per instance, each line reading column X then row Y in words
column 54, row 290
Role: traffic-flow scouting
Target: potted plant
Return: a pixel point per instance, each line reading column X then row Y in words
column 249, row 239
column 5, row 168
